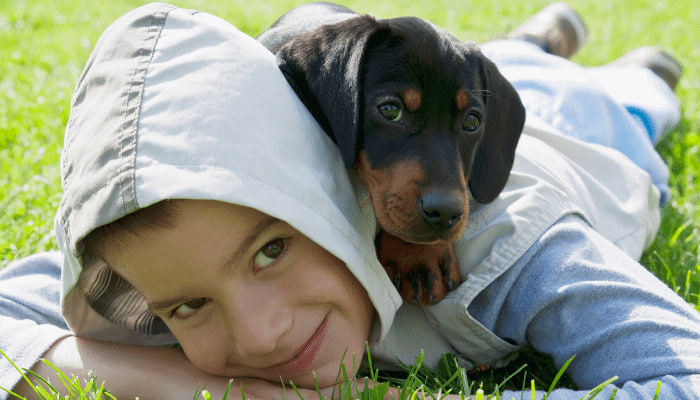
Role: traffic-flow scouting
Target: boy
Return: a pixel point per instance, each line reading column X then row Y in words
column 203, row 205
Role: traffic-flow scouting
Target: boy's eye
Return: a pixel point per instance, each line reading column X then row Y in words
column 269, row 252
column 188, row 308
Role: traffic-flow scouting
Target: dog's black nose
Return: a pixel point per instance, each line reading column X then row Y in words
column 441, row 210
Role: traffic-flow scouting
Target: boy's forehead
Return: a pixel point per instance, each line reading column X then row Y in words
column 220, row 212
column 202, row 234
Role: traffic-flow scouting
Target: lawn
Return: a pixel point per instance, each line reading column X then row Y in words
column 44, row 45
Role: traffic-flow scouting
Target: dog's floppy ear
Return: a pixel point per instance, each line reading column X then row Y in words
column 503, row 123
column 323, row 67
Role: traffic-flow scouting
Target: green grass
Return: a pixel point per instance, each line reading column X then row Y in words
column 447, row 378
column 44, row 45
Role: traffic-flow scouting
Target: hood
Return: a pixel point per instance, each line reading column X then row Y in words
column 179, row 104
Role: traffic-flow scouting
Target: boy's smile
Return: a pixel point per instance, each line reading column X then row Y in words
column 247, row 295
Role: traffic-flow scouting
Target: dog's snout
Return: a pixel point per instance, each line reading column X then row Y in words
column 441, row 211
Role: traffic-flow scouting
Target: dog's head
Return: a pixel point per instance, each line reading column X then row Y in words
column 420, row 114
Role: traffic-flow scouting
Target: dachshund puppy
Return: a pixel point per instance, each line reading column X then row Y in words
column 419, row 114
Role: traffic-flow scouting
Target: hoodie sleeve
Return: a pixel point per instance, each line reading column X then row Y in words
column 30, row 316
column 574, row 293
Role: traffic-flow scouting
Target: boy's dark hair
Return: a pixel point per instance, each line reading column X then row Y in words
column 158, row 215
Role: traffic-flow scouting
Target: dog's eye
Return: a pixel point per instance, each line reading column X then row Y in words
column 471, row 123
column 391, row 111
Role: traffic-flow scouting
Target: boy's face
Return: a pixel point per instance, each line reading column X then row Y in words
column 246, row 295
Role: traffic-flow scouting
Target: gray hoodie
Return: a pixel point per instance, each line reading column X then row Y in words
column 180, row 104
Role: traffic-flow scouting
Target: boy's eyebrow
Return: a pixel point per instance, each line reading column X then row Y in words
column 165, row 305
column 254, row 233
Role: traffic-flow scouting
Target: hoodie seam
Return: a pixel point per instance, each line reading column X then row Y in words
column 65, row 219
column 129, row 135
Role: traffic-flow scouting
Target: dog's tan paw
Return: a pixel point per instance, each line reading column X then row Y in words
column 422, row 274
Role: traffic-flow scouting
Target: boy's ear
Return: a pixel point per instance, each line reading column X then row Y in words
column 323, row 67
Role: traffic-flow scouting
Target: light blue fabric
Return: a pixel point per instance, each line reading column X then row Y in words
column 574, row 293
column 30, row 316
column 593, row 104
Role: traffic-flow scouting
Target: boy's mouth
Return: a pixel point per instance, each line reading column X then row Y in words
column 303, row 356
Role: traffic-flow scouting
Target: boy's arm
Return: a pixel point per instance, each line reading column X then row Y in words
column 127, row 370
column 575, row 293
column 149, row 372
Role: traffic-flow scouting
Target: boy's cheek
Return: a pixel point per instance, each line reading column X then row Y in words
column 205, row 350
column 210, row 362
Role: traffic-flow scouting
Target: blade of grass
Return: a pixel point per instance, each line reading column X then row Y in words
column 11, row 393
column 596, row 390
column 243, row 392
column 24, row 376
column 228, row 389
column 658, row 390
column 509, row 377
column 67, row 383
column 558, row 376
column 480, row 393
column 41, row 379
column 464, row 382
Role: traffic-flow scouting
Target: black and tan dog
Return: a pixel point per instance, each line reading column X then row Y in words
column 419, row 114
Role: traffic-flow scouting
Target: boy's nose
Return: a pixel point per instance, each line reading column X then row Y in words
column 258, row 324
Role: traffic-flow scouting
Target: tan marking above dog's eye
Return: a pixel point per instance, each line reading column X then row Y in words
column 391, row 111
column 462, row 100
column 412, row 99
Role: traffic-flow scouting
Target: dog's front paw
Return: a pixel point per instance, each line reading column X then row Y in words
column 422, row 273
